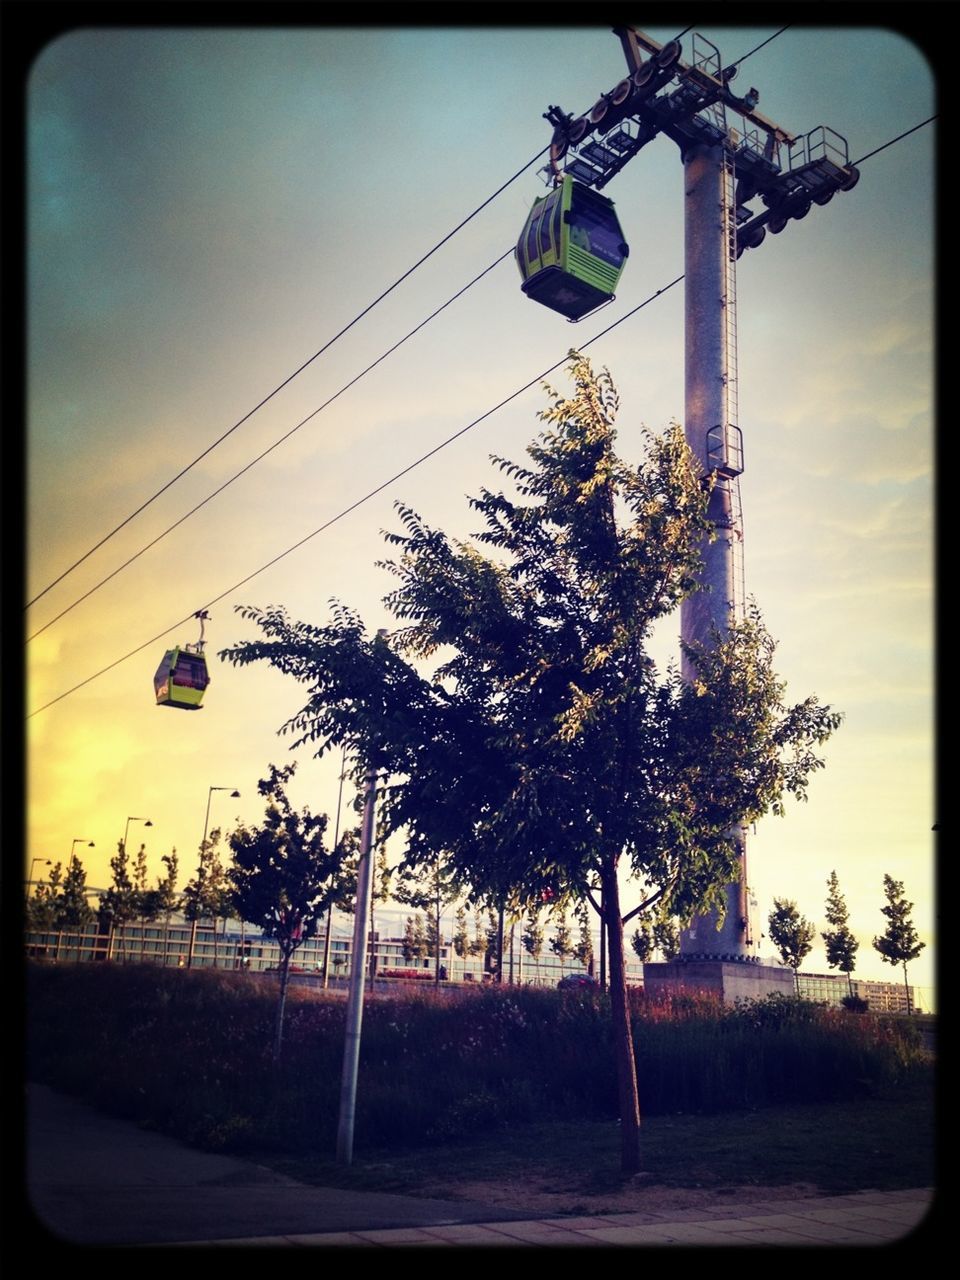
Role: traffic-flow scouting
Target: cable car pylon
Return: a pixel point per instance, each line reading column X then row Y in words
column 725, row 169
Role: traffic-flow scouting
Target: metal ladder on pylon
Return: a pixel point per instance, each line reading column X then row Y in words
column 731, row 405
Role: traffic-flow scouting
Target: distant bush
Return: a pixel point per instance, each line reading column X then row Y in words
column 188, row 1052
column 855, row 1004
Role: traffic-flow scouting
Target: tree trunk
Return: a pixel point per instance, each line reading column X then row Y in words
column 281, row 1002
column 906, row 989
column 622, row 1034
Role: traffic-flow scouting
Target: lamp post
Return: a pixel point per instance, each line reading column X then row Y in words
column 80, row 840
column 46, row 863
column 146, row 822
column 193, row 926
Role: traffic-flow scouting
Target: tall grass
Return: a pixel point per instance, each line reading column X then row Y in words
column 188, row 1052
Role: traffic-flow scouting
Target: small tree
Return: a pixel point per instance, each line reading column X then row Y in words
column 414, row 945
column 791, row 934
column 561, row 944
column 583, row 948
column 901, row 942
column 73, row 910
column 840, row 943
column 461, row 934
column 282, row 878
column 533, row 937
column 165, row 896
column 656, row 935
column 43, row 906
column 119, row 901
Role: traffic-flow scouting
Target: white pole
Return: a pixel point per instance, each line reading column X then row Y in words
column 351, row 1048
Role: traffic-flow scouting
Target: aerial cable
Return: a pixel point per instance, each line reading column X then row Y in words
column 361, row 501
column 180, row 474
column 276, row 444
column 286, row 436
column 877, row 150
column 759, row 46
column 406, row 470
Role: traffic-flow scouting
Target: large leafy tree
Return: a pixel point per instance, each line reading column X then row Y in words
column 900, row 943
column 546, row 749
column 792, row 934
column 283, row 877
column 839, row 941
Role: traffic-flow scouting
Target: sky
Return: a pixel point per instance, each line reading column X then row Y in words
column 207, row 208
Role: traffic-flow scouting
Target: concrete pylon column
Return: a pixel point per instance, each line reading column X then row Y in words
column 708, row 365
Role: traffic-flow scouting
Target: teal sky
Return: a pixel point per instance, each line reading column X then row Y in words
column 206, row 208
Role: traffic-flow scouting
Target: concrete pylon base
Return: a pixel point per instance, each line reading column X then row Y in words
column 731, row 980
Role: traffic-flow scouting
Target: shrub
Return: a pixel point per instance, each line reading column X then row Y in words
column 188, row 1051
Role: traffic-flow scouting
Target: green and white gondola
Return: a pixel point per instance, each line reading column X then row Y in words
column 571, row 252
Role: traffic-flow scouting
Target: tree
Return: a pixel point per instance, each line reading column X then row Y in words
column 202, row 897
column 533, row 936
column 791, row 934
column 546, row 749
column 655, row 935
column 43, row 906
column 430, row 888
column 282, row 877
column 583, row 948
column 414, row 945
column 73, row 910
column 119, row 901
column 840, row 943
column 461, row 934
column 561, row 944
column 901, row 942
column 165, row 897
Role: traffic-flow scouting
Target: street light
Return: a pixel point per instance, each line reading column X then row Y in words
column 46, row 863
column 146, row 822
column 206, row 823
column 80, row 840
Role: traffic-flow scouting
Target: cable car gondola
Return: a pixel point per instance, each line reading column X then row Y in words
column 182, row 676
column 571, row 251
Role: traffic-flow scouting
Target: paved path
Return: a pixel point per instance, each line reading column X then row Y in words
column 95, row 1180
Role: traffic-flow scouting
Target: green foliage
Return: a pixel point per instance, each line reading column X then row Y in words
column 561, row 944
column 546, row 749
column 840, row 943
column 73, row 909
column 461, row 934
column 900, row 942
column 790, row 933
column 186, row 1051
column 855, row 1004
column 283, row 879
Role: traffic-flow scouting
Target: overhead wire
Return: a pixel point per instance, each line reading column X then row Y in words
column 276, row 444
column 360, row 501
column 110, row 576
column 286, row 382
column 419, row 461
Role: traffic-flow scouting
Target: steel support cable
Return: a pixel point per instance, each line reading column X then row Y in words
column 286, row 382
column 906, row 134
column 759, row 46
column 360, row 501
column 406, row 470
column 280, row 441
column 276, row 444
